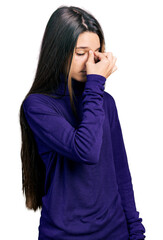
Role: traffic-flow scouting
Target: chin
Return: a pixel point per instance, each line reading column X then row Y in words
column 81, row 77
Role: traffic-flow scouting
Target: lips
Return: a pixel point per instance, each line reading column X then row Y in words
column 83, row 72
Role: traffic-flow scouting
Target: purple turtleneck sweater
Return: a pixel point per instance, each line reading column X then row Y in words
column 88, row 187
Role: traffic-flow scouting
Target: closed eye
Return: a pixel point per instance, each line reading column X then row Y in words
column 80, row 54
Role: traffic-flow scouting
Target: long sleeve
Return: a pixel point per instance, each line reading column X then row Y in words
column 124, row 179
column 81, row 144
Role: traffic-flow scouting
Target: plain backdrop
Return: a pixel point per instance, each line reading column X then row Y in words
column 133, row 33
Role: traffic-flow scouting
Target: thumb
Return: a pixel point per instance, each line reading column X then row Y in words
column 90, row 57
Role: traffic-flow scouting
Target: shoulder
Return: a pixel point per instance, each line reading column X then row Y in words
column 109, row 100
column 39, row 101
column 111, row 108
column 108, row 97
column 33, row 99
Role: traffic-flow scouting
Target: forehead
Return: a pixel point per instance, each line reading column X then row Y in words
column 88, row 40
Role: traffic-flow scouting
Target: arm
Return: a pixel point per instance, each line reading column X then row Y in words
column 82, row 144
column 124, row 179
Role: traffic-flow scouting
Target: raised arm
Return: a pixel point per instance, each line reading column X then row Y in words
column 80, row 144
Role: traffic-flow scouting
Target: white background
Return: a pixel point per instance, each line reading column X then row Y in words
column 133, row 32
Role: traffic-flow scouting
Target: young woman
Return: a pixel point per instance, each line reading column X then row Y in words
column 74, row 163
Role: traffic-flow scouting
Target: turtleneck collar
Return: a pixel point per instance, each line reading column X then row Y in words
column 78, row 87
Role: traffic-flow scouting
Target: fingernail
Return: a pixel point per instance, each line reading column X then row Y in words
column 90, row 51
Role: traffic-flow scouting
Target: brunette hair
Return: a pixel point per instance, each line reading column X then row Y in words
column 55, row 57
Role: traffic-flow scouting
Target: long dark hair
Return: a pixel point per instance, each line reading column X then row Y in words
column 55, row 57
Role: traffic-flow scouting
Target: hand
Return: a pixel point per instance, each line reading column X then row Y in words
column 105, row 66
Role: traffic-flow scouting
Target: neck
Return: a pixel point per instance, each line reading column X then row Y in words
column 77, row 86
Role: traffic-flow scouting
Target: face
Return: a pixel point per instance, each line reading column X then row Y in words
column 85, row 42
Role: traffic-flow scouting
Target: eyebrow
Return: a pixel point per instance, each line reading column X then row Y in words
column 86, row 47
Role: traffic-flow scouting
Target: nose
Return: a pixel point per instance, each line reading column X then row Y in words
column 95, row 59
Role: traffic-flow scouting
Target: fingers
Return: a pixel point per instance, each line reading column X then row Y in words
column 114, row 68
column 91, row 57
column 112, row 60
column 101, row 63
column 100, row 55
column 109, row 56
